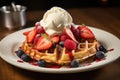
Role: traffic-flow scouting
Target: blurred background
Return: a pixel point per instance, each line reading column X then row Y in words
column 46, row 4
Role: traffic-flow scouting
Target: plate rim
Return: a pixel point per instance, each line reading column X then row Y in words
column 50, row 70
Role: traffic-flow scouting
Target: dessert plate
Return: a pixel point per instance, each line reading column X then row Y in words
column 10, row 44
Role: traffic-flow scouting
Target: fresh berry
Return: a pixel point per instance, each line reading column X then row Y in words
column 37, row 24
column 70, row 34
column 40, row 29
column 36, row 39
column 70, row 44
column 100, row 55
column 26, row 58
column 64, row 37
column 26, row 33
column 20, row 53
column 61, row 43
column 74, row 63
column 70, row 55
column 85, row 32
column 43, row 43
column 75, row 32
column 41, row 63
column 102, row 48
column 31, row 35
column 55, row 38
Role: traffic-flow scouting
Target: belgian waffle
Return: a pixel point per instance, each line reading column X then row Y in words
column 59, row 55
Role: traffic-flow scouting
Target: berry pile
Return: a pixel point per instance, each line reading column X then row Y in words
column 40, row 38
column 69, row 38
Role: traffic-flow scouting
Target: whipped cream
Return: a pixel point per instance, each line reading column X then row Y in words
column 55, row 20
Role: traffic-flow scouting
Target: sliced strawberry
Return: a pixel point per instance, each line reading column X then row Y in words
column 70, row 34
column 55, row 38
column 43, row 44
column 30, row 36
column 70, row 44
column 36, row 39
column 26, row 33
column 85, row 32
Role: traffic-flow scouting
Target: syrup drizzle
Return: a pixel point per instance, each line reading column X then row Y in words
column 86, row 42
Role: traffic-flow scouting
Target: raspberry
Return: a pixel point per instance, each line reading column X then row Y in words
column 70, row 45
column 64, row 37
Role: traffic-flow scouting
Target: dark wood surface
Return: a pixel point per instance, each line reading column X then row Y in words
column 104, row 18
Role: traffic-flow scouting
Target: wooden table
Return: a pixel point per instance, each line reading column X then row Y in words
column 104, row 18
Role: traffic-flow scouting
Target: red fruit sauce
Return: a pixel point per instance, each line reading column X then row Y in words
column 70, row 55
column 111, row 50
column 98, row 60
column 34, row 62
column 21, row 61
column 87, row 64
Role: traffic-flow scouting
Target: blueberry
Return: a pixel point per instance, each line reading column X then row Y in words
column 74, row 63
column 102, row 48
column 100, row 55
column 41, row 63
column 26, row 58
column 61, row 44
column 20, row 53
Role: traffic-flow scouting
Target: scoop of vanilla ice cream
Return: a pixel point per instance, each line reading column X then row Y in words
column 55, row 20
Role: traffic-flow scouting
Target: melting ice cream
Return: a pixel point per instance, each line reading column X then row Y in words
column 55, row 20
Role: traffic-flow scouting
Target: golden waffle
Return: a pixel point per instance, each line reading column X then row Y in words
column 85, row 51
column 59, row 55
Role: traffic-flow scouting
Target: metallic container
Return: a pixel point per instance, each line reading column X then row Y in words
column 14, row 19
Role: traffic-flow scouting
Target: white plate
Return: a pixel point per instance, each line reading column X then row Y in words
column 10, row 43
